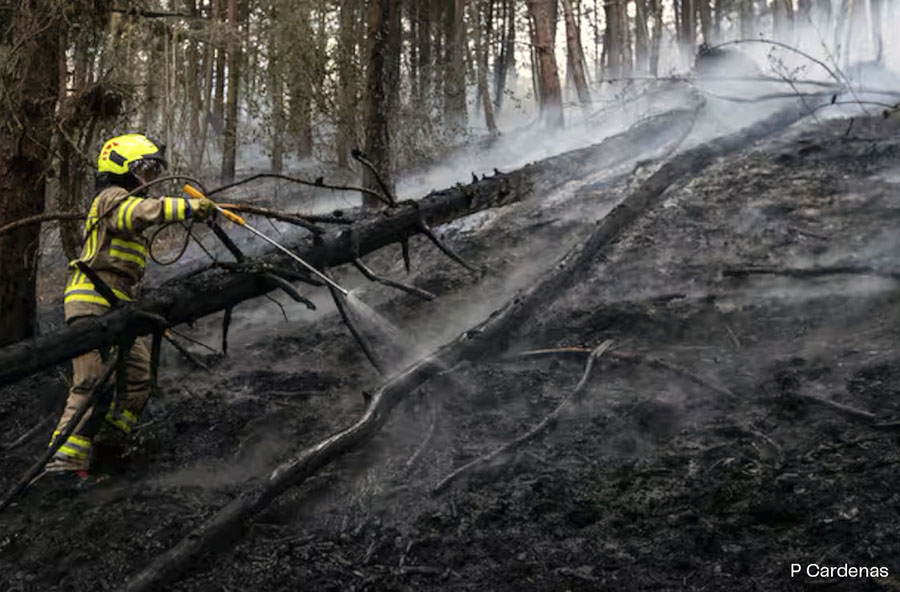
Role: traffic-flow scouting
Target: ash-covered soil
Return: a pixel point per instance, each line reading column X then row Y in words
column 652, row 482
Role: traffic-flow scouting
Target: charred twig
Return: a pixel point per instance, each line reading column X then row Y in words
column 46, row 217
column 370, row 275
column 26, row 436
column 184, row 352
column 581, row 352
column 427, row 231
column 288, row 289
column 858, row 414
column 192, row 340
column 258, row 267
column 404, row 251
column 226, row 322
column 278, row 304
column 37, row 468
column 389, row 199
column 299, row 181
column 295, row 219
column 545, row 423
column 806, row 272
column 410, row 463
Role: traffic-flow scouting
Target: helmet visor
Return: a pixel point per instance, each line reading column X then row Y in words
column 147, row 169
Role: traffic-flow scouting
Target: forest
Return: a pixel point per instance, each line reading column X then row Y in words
column 487, row 295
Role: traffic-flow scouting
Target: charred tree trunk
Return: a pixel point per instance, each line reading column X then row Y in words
column 548, row 75
column 229, row 139
column 455, row 113
column 213, row 290
column 613, row 40
column 687, row 38
column 576, row 55
column 641, row 38
column 706, row 24
column 506, row 61
column 348, row 80
column 482, row 48
column 30, row 80
column 382, row 91
column 657, row 36
column 276, row 86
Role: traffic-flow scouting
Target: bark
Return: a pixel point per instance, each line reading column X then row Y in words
column 209, row 60
column 455, row 87
column 210, row 291
column 506, row 62
column 31, row 85
column 229, row 139
column 625, row 36
column 719, row 9
column 382, row 92
column 613, row 40
column 219, row 99
column 276, row 85
column 496, row 334
column 481, row 57
column 193, row 90
column 348, row 80
column 424, row 87
column 687, row 37
column 576, row 55
column 542, row 12
column 657, row 36
column 641, row 38
column 706, row 24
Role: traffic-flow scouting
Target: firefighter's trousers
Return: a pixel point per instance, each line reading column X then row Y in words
column 122, row 413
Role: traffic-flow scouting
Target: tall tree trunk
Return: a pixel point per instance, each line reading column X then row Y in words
column 573, row 45
column 688, row 34
column 29, row 77
column 348, row 79
column 194, row 98
column 542, row 12
column 382, row 91
column 641, row 38
column 748, row 26
column 209, row 66
column 219, row 101
column 719, row 8
column 783, row 16
column 229, row 140
column 276, row 85
column 706, row 24
column 877, row 8
column 455, row 86
column 424, row 89
column 657, row 31
column 613, row 39
column 481, row 57
column 625, row 36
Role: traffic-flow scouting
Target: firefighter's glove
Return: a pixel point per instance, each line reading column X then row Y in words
column 202, row 209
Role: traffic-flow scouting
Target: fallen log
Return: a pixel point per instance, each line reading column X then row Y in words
column 188, row 298
column 486, row 339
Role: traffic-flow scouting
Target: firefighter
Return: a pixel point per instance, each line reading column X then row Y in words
column 116, row 250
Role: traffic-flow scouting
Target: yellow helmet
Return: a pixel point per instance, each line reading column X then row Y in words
column 119, row 155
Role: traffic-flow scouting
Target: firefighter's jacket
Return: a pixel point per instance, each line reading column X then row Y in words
column 115, row 248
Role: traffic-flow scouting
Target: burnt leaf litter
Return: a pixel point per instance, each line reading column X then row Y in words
column 650, row 482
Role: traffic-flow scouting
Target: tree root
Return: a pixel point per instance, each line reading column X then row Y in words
column 545, row 423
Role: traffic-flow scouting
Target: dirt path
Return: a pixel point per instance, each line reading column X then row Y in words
column 653, row 483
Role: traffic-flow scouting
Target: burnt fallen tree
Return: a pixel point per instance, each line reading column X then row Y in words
column 188, row 298
column 490, row 338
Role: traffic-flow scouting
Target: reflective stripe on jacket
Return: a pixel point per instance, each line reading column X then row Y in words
column 115, row 248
